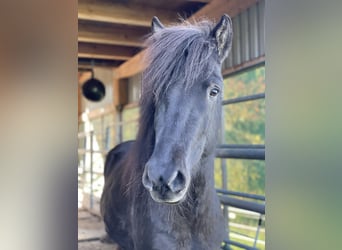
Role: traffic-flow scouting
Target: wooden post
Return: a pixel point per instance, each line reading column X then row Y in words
column 120, row 98
column 120, row 92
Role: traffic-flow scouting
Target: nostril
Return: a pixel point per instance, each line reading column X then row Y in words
column 178, row 183
column 180, row 177
column 161, row 179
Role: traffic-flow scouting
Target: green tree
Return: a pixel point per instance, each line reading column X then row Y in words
column 244, row 123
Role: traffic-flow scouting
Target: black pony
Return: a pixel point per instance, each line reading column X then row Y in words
column 159, row 190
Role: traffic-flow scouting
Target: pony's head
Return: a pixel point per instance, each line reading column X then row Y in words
column 184, row 81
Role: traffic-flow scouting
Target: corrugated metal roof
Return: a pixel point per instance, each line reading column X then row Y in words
column 248, row 40
column 248, row 43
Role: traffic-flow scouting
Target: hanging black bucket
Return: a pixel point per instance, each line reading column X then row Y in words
column 94, row 90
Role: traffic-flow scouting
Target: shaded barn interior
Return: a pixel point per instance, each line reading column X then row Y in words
column 110, row 49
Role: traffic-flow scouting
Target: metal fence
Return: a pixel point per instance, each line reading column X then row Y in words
column 94, row 145
column 93, row 148
column 247, row 51
column 256, row 203
column 92, row 153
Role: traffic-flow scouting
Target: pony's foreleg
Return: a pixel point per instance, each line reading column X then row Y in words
column 166, row 242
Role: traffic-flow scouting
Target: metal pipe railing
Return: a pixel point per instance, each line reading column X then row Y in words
column 91, row 170
column 240, row 194
column 240, row 245
column 250, row 152
column 247, row 205
column 233, row 151
column 241, row 146
column 257, row 232
column 241, row 153
column 244, row 99
column 82, row 151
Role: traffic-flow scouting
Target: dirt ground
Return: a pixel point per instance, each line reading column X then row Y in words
column 90, row 231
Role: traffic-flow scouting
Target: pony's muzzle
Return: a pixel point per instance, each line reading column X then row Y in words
column 166, row 186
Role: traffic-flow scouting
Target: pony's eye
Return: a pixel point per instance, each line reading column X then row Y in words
column 214, row 92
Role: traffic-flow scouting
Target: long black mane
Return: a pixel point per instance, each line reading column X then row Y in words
column 178, row 54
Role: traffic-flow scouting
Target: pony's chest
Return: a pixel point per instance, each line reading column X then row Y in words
column 188, row 228
column 181, row 223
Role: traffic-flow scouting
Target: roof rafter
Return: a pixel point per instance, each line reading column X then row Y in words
column 100, row 51
column 118, row 13
column 112, row 35
column 213, row 10
column 216, row 8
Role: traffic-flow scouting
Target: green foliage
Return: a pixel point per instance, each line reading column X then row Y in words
column 244, row 123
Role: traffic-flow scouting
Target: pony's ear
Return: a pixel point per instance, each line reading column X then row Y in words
column 156, row 25
column 223, row 34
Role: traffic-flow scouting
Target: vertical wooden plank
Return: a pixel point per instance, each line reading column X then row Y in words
column 82, row 77
column 134, row 88
column 120, row 92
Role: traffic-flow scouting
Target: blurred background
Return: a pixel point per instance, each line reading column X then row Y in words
column 110, row 49
column 41, row 124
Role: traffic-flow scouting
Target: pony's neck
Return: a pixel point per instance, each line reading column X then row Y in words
column 202, row 183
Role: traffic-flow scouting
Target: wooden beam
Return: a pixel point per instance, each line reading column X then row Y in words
column 84, row 63
column 122, row 13
column 213, row 10
column 216, row 8
column 244, row 66
column 131, row 67
column 111, row 35
column 88, row 50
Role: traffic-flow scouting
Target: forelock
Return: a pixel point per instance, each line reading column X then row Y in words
column 179, row 54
